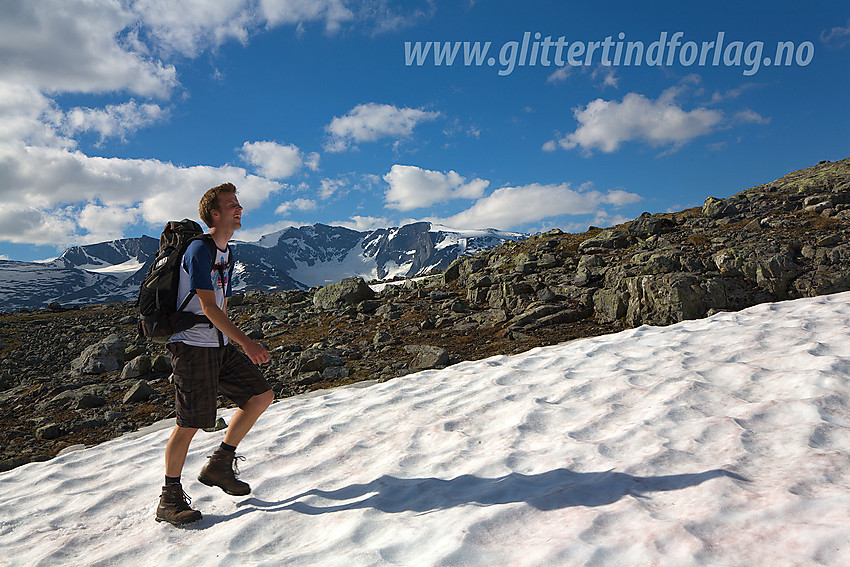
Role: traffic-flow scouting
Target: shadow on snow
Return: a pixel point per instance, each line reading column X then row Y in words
column 553, row 490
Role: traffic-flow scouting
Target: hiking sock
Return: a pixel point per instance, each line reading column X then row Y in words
column 225, row 447
column 169, row 480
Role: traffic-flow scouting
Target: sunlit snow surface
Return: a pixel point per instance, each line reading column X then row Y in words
column 723, row 441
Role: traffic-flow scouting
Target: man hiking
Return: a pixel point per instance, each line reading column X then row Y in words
column 206, row 363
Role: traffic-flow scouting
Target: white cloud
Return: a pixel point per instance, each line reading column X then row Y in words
column 751, row 116
column 77, row 46
column 604, row 124
column 610, row 77
column 372, row 121
column 718, row 96
column 277, row 161
column 296, row 204
column 189, row 27
column 26, row 115
column 113, row 120
column 45, row 183
column 23, row 224
column 560, row 75
column 105, row 223
column 386, row 18
column 330, row 187
column 364, row 223
column 511, row 207
column 836, row 37
column 332, row 12
column 412, row 187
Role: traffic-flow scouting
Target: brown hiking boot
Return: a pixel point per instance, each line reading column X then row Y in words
column 174, row 507
column 221, row 471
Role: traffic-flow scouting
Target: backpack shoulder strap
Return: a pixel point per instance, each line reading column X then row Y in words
column 212, row 246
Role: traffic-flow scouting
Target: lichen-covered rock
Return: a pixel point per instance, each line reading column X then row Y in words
column 141, row 391
column 349, row 291
column 426, row 357
column 104, row 356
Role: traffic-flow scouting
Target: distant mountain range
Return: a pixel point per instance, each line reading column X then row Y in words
column 294, row 258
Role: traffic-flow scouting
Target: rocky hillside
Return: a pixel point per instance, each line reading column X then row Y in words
column 81, row 375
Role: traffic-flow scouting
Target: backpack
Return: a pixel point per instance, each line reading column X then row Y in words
column 159, row 315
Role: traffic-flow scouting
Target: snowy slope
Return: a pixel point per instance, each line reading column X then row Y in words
column 723, row 441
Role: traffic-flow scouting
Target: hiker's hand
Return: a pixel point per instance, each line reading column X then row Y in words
column 256, row 352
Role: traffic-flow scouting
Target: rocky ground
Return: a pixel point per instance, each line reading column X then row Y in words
column 82, row 375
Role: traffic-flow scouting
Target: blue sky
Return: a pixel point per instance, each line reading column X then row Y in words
column 116, row 116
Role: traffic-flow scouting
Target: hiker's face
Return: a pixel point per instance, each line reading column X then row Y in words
column 230, row 215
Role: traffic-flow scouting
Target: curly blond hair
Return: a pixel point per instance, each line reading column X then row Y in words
column 209, row 202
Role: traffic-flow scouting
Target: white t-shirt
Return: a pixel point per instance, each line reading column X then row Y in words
column 197, row 271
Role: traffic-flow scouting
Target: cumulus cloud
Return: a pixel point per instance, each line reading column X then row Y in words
column 23, row 224
column 332, row 12
column 112, row 120
column 27, row 116
column 606, row 124
column 362, row 223
column 277, row 161
column 511, row 207
column 372, row 121
column 189, row 28
column 297, row 205
column 77, row 46
column 60, row 193
column 330, row 187
column 412, row 187
column 102, row 223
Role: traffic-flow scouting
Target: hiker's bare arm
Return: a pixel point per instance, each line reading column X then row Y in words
column 219, row 318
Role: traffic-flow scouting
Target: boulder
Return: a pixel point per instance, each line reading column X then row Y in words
column 349, row 291
column 647, row 225
column 714, row 208
column 335, row 373
column 609, row 305
column 533, row 314
column 139, row 392
column 105, row 356
column 139, row 366
column 161, row 364
column 308, row 378
column 426, row 357
column 611, row 239
column 665, row 299
column 49, row 431
column 317, row 360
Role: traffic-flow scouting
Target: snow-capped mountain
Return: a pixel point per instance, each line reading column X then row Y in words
column 297, row 257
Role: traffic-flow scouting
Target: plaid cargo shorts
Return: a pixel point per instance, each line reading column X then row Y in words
column 201, row 373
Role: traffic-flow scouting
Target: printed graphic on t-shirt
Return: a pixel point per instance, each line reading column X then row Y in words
column 221, row 275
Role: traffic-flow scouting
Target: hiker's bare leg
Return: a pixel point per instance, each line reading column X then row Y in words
column 176, row 449
column 246, row 416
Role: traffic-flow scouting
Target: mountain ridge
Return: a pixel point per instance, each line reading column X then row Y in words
column 293, row 258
